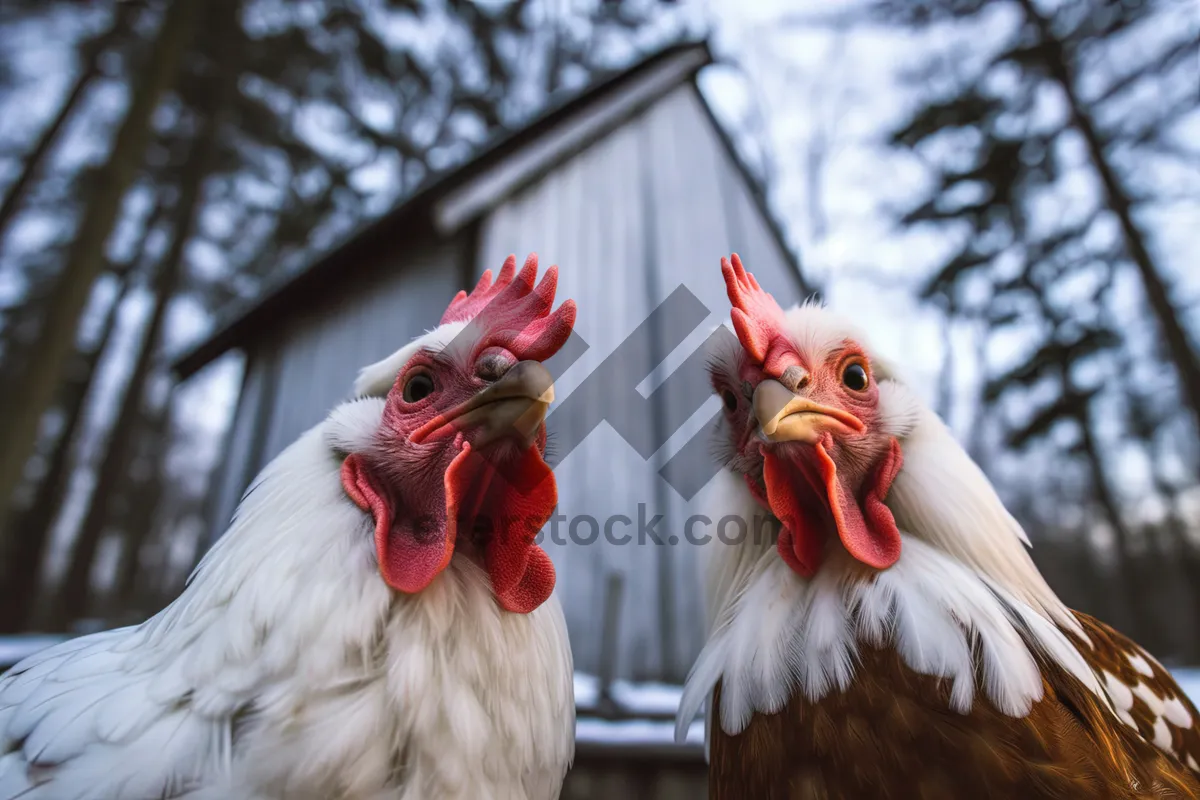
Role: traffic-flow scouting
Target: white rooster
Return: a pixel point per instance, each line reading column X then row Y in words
column 411, row 651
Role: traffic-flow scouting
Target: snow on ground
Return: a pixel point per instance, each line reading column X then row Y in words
column 635, row 698
column 17, row 648
column 633, row 732
column 1189, row 681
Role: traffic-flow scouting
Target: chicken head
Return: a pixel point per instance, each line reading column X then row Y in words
column 457, row 466
column 806, row 429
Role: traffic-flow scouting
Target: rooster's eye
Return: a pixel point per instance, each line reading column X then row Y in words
column 729, row 399
column 855, row 377
column 417, row 388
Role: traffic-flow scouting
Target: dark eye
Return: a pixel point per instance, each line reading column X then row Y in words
column 418, row 387
column 729, row 399
column 855, row 377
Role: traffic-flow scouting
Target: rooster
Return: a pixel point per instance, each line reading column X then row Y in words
column 377, row 622
column 877, row 627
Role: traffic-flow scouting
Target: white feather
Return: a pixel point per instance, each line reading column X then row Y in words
column 376, row 380
column 15, row 778
column 288, row 668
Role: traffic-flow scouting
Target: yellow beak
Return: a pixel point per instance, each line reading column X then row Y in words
column 786, row 417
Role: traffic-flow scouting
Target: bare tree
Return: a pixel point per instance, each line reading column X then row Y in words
column 20, row 573
column 92, row 55
column 115, row 465
column 40, row 379
column 1050, row 53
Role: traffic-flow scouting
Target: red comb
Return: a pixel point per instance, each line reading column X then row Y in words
column 758, row 320
column 513, row 313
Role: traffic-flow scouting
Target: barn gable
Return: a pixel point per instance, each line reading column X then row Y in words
column 634, row 190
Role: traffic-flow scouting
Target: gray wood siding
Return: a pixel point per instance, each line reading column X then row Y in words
column 651, row 207
column 323, row 349
column 244, row 440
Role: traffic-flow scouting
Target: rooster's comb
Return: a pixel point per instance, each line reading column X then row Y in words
column 513, row 313
column 758, row 319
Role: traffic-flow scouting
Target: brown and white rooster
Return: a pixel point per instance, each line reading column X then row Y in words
column 376, row 624
column 886, row 634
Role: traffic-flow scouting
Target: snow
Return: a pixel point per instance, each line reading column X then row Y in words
column 1189, row 681
column 14, row 649
column 587, row 689
column 589, row 730
column 634, row 698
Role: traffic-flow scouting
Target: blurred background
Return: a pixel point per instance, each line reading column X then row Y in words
column 1006, row 195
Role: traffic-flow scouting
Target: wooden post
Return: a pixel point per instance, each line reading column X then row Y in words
column 614, row 595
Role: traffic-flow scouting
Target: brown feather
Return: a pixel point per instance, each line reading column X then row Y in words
column 892, row 735
column 1113, row 655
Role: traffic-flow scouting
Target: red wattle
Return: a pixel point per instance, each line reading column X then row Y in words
column 866, row 528
column 522, row 498
column 801, row 540
column 408, row 560
column 869, row 534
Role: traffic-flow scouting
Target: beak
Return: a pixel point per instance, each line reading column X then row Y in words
column 786, row 417
column 513, row 407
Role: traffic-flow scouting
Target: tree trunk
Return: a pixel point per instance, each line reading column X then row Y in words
column 15, row 343
column 1190, row 565
column 140, row 514
column 20, row 582
column 1174, row 531
column 1148, row 630
column 38, row 382
column 114, row 467
column 1179, row 347
column 92, row 53
column 20, row 575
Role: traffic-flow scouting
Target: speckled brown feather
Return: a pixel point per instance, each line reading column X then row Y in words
column 1115, row 656
column 892, row 736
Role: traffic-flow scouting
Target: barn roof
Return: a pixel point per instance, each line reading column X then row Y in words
column 451, row 200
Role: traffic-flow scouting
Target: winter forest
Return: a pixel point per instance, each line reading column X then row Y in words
column 1006, row 194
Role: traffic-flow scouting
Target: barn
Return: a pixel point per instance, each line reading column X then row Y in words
column 634, row 190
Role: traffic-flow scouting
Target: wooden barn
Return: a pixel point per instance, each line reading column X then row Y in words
column 634, row 190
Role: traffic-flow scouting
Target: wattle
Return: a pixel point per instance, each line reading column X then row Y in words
column 809, row 498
